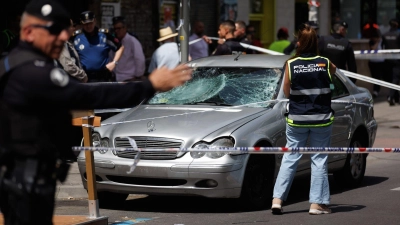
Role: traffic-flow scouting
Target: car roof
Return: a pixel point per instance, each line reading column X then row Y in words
column 250, row 60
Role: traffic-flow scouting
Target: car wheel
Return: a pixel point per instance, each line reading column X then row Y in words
column 111, row 199
column 257, row 183
column 353, row 171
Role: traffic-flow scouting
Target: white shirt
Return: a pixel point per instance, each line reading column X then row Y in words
column 165, row 55
column 198, row 49
column 132, row 62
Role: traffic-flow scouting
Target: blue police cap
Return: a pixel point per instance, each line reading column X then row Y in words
column 87, row 17
column 49, row 10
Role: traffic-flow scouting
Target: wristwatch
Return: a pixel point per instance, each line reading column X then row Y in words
column 115, row 62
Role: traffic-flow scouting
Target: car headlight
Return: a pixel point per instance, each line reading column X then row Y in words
column 100, row 142
column 197, row 155
column 222, row 142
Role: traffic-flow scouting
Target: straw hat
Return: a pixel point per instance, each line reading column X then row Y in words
column 166, row 33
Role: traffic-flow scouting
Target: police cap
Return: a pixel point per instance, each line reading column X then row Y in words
column 87, row 17
column 342, row 23
column 312, row 24
column 49, row 10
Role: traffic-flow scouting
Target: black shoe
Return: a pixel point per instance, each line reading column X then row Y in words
column 391, row 101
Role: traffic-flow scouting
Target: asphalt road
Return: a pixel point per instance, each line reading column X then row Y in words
column 377, row 201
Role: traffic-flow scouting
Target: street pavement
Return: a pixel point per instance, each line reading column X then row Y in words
column 386, row 116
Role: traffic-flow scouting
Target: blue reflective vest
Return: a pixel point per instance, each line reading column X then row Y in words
column 310, row 92
column 94, row 49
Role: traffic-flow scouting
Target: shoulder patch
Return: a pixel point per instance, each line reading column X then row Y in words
column 103, row 30
column 77, row 32
column 59, row 77
column 39, row 63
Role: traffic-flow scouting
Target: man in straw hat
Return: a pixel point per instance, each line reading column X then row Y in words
column 168, row 53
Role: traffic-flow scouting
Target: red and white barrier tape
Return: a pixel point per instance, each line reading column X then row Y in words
column 254, row 150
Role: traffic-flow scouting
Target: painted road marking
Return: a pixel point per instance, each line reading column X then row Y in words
column 396, row 189
column 132, row 221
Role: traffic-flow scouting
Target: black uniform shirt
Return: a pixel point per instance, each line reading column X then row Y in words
column 339, row 51
column 229, row 47
column 39, row 98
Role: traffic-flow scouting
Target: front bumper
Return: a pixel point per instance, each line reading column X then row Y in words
column 183, row 176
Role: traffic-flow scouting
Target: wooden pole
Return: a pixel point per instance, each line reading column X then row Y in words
column 87, row 120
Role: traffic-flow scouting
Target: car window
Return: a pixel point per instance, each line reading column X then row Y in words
column 340, row 89
column 225, row 86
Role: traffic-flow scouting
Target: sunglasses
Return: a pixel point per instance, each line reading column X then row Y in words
column 54, row 29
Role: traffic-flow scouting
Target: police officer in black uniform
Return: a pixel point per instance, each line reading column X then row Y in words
column 391, row 40
column 35, row 121
column 231, row 46
column 338, row 49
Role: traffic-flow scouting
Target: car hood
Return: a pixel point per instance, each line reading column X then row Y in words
column 181, row 122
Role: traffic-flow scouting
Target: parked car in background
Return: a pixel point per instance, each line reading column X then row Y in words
column 230, row 102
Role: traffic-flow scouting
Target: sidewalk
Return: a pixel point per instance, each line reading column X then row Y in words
column 72, row 188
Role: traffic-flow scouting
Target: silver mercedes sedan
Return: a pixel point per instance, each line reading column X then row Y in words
column 232, row 101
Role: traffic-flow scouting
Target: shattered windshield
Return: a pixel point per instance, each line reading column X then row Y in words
column 252, row 87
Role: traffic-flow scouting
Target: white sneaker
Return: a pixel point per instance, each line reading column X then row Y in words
column 277, row 206
column 318, row 209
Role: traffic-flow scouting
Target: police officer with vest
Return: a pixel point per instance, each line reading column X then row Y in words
column 338, row 49
column 36, row 98
column 93, row 45
column 391, row 40
column 231, row 46
column 308, row 84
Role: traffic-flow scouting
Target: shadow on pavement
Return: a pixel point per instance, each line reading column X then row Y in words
column 189, row 204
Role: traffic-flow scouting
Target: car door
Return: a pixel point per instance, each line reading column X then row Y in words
column 344, row 115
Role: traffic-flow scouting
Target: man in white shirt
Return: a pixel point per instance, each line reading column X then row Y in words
column 131, row 65
column 198, row 49
column 168, row 53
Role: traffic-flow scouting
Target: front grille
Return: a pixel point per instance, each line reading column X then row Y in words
column 148, row 142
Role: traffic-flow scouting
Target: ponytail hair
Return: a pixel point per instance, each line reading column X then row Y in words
column 308, row 39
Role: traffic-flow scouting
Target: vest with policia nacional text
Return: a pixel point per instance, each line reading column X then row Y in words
column 310, row 92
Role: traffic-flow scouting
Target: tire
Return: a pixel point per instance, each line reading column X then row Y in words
column 257, row 183
column 111, row 199
column 353, row 171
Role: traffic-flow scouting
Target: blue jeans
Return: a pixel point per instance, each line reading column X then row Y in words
column 297, row 137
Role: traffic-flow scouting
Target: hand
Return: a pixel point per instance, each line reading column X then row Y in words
column 164, row 79
column 206, row 39
column 110, row 66
column 221, row 41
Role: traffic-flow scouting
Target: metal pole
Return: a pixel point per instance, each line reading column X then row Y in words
column 184, row 31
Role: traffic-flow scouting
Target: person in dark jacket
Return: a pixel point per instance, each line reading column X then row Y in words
column 231, row 46
column 391, row 40
column 338, row 48
column 240, row 35
column 36, row 98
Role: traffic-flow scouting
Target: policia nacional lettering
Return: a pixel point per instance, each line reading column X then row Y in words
column 310, row 92
column 309, row 68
